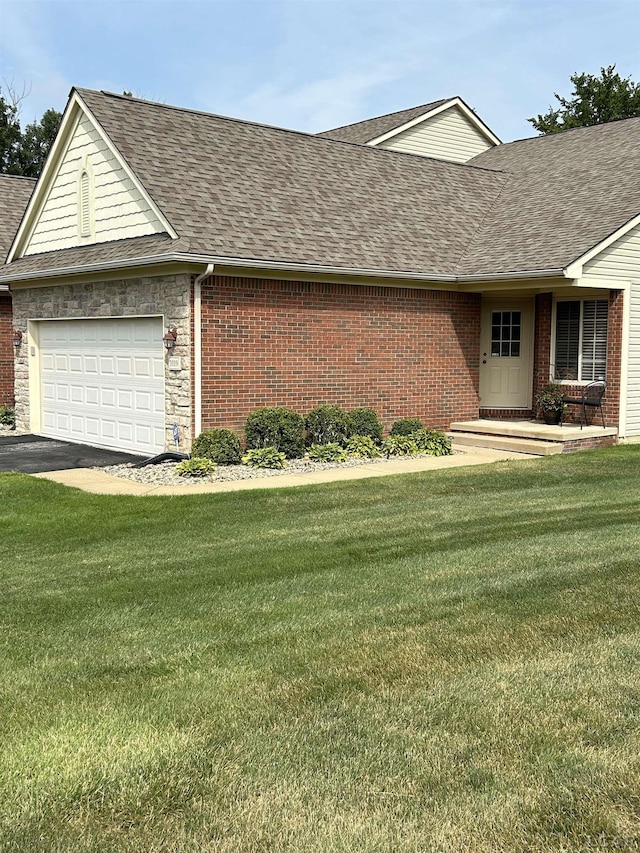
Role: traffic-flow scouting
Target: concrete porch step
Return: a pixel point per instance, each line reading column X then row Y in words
column 515, row 445
column 529, row 436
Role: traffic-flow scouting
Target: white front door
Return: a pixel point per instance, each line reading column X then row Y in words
column 506, row 354
column 102, row 382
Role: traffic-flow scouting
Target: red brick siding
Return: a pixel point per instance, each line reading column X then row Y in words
column 6, row 351
column 506, row 414
column 402, row 351
column 589, row 443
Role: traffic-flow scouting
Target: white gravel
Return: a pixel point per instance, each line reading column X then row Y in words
column 164, row 474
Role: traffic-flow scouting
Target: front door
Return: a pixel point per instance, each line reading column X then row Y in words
column 506, row 354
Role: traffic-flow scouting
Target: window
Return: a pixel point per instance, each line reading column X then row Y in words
column 505, row 334
column 581, row 339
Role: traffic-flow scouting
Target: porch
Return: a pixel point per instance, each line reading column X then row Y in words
column 529, row 436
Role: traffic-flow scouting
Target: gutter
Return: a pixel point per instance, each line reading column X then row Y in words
column 197, row 346
column 511, row 276
column 183, row 257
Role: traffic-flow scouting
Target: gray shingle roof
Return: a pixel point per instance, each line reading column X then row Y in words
column 15, row 192
column 364, row 131
column 566, row 193
column 247, row 191
column 243, row 190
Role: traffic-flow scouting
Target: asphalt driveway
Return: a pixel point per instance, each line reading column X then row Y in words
column 33, row 454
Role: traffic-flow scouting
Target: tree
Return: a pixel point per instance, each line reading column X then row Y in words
column 10, row 134
column 24, row 153
column 594, row 100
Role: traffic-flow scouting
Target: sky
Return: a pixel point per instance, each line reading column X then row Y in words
column 312, row 65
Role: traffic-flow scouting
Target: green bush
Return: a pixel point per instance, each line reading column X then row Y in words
column 331, row 452
column 197, row 466
column 276, row 427
column 7, row 416
column 364, row 421
column 432, row 441
column 264, row 457
column 363, row 447
column 326, row 424
column 399, row 445
column 405, row 426
column 221, row 445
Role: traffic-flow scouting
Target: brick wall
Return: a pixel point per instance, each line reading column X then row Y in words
column 402, row 351
column 6, row 351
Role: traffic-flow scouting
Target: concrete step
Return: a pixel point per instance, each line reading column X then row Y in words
column 503, row 442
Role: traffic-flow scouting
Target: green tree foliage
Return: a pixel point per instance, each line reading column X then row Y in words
column 24, row 152
column 594, row 100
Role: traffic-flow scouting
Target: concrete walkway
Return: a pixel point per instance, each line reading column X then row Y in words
column 99, row 483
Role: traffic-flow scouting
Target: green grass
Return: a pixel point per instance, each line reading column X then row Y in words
column 437, row 662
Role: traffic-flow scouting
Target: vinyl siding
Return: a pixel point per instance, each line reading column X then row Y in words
column 447, row 136
column 118, row 210
column 621, row 260
column 633, row 370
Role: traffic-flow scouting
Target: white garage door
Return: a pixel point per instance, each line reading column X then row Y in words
column 102, row 382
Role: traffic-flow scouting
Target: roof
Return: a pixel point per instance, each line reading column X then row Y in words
column 15, row 192
column 566, row 193
column 364, row 131
column 251, row 193
column 237, row 189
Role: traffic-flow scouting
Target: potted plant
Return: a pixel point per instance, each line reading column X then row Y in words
column 549, row 403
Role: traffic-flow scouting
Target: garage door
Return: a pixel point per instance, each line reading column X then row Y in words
column 102, row 382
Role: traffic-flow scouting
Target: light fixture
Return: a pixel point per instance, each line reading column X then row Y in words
column 17, row 338
column 170, row 338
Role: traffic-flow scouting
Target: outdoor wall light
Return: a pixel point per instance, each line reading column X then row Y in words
column 170, row 338
column 17, row 338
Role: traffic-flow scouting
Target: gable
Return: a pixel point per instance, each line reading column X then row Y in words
column 447, row 135
column 620, row 260
column 89, row 195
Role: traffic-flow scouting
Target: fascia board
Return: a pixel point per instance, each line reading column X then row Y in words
column 185, row 258
column 43, row 186
column 454, row 102
column 574, row 269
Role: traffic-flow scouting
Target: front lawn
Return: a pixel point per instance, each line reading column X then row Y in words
column 446, row 661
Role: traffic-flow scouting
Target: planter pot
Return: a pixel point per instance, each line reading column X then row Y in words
column 552, row 418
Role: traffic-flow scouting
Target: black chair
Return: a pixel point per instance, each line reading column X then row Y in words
column 590, row 395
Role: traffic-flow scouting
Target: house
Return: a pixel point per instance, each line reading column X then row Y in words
column 176, row 270
column 15, row 193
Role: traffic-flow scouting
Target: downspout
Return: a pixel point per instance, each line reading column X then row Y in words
column 197, row 346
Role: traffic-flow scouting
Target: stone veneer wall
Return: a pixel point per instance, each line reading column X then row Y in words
column 167, row 295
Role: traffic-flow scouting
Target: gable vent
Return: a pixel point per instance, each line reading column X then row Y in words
column 84, row 204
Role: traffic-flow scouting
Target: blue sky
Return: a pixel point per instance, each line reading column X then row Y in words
column 316, row 64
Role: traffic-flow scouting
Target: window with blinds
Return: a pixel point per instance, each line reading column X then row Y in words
column 581, row 339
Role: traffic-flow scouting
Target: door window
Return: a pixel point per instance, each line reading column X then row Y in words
column 505, row 334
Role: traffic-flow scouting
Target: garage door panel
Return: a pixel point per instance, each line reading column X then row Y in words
column 102, row 382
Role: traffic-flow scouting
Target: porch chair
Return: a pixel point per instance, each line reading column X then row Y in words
column 589, row 395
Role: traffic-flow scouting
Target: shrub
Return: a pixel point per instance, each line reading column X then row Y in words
column 264, row 457
column 197, row 466
column 7, row 416
column 365, row 421
column 399, row 445
column 432, row 441
column 327, row 424
column 363, row 447
column 331, row 452
column 405, row 426
column 221, row 445
column 276, row 427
